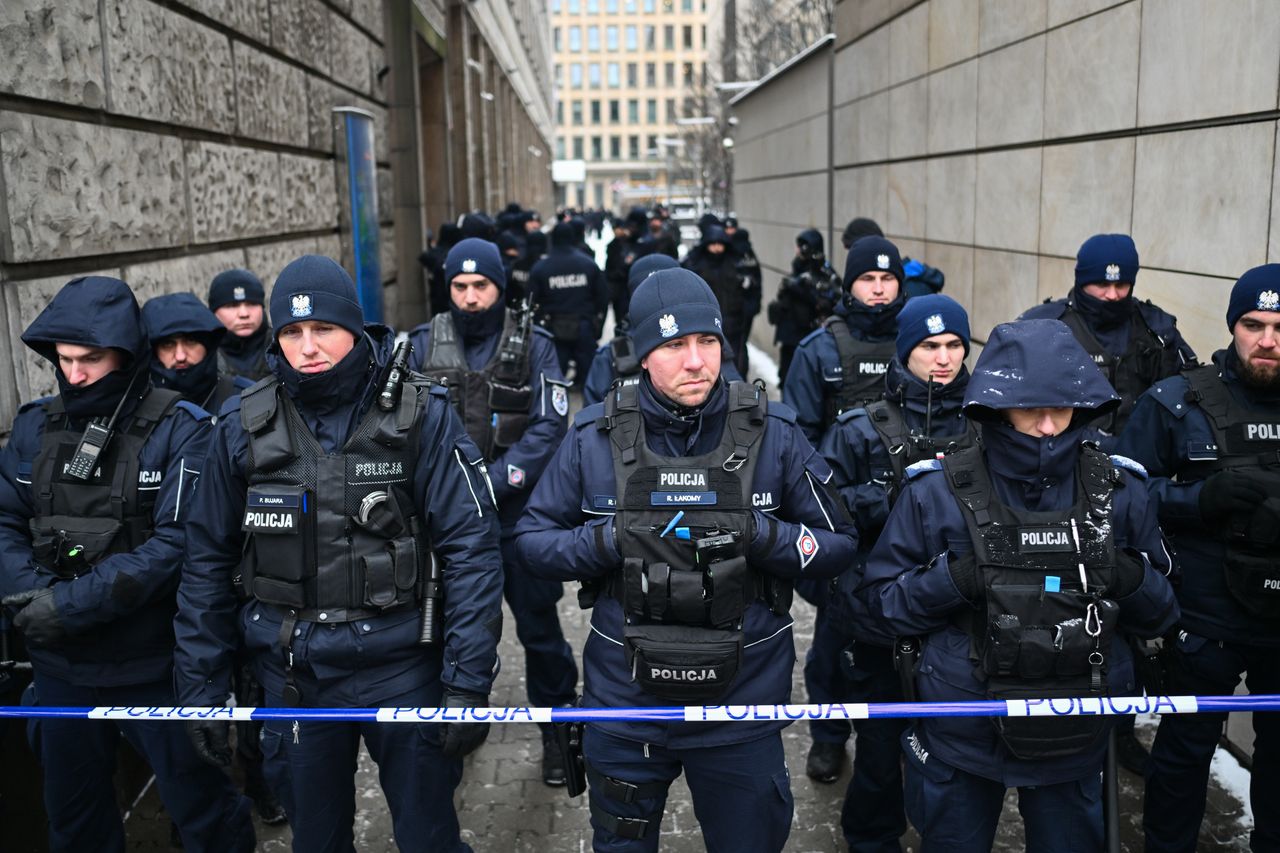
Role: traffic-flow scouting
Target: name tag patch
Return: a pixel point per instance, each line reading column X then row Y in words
column 1040, row 540
column 683, row 498
column 264, row 513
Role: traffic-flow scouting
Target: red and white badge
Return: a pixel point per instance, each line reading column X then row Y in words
column 515, row 477
column 807, row 545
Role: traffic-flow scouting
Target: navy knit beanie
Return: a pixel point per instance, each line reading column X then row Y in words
column 474, row 255
column 1257, row 290
column 872, row 253
column 314, row 287
column 1107, row 259
column 671, row 304
column 235, row 286
column 925, row 316
column 647, row 266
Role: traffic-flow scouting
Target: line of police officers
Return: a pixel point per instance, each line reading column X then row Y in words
column 361, row 512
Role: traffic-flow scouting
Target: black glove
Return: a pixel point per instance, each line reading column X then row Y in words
column 965, row 575
column 462, row 739
column 1235, row 491
column 37, row 616
column 211, row 738
column 1131, row 569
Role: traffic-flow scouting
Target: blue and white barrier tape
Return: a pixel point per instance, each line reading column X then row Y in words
column 1065, row 707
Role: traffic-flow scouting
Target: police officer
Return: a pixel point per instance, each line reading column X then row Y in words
column 327, row 489
column 506, row 386
column 1211, row 440
column 184, row 338
column 236, row 298
column 535, row 249
column 805, row 298
column 1024, row 564
column 869, row 450
column 718, row 265
column 1135, row 343
column 570, row 297
column 687, row 506
column 842, row 365
column 95, row 486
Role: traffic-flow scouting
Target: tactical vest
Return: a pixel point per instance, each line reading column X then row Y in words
column 332, row 537
column 622, row 354
column 223, row 390
column 1242, row 439
column 494, row 401
column 1145, row 361
column 1045, row 626
column 259, row 369
column 683, row 525
column 862, row 368
column 78, row 523
column 906, row 446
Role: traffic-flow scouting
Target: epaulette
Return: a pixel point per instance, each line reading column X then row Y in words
column 192, row 409
column 916, row 469
column 850, row 414
column 781, row 411
column 588, row 415
column 1129, row 465
column 1172, row 393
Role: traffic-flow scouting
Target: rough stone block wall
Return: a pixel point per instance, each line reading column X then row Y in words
column 992, row 137
column 165, row 142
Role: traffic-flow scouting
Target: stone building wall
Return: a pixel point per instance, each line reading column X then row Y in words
column 162, row 141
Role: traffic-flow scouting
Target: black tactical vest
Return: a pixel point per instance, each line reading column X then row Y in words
column 494, row 401
column 622, row 353
column 906, row 446
column 78, row 523
column 683, row 525
column 257, row 370
column 1045, row 626
column 1242, row 438
column 332, row 537
column 1146, row 361
column 862, row 368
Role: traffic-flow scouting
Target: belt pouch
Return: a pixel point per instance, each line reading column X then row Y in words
column 683, row 664
column 687, row 604
column 729, row 580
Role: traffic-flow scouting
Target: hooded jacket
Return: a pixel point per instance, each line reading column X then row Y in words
column 382, row 651
column 568, row 283
column 202, row 384
column 119, row 615
column 908, row 585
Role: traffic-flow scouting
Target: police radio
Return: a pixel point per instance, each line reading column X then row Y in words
column 96, row 437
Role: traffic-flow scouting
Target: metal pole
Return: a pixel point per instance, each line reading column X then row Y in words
column 1111, row 796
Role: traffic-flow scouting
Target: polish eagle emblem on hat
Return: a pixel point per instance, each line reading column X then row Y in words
column 1113, row 272
column 237, row 294
column 300, row 305
column 1269, row 300
column 667, row 325
column 935, row 325
column 469, row 265
column 882, row 262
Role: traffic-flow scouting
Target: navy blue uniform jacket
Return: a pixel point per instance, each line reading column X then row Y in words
column 359, row 662
column 567, row 534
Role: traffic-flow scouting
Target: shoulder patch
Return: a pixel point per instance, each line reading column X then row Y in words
column 1171, row 393
column 922, row 467
column 1129, row 465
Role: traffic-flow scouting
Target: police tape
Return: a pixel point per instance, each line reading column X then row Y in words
column 1082, row 706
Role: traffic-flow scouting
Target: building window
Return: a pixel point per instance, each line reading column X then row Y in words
column 555, row 6
column 611, row 38
column 593, row 39
column 611, row 6
column 687, row 33
column 577, row 148
column 576, row 111
column 575, row 39
column 557, row 75
column 555, row 38
column 650, row 37
column 669, row 74
column 650, row 7
column 633, row 38
column 560, row 112
column 613, row 75
column 615, row 112
column 633, row 111
column 595, row 112
column 575, row 75
column 597, row 148
column 632, row 71
column 574, row 7
column 633, row 147
column 615, row 147
column 653, row 143
column 593, row 7
column 560, row 148
column 593, row 75
column 671, row 110
column 686, row 5
column 651, row 74
column 669, row 37
column 668, row 5
column 651, row 110
column 687, row 73
column 629, row 6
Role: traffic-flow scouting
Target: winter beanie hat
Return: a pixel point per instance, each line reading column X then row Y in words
column 925, row 316
column 1257, row 290
column 647, row 266
column 474, row 255
column 670, row 304
column 314, row 287
column 235, row 286
column 1107, row 259
column 872, row 253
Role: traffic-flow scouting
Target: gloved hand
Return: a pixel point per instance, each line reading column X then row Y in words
column 211, row 738
column 37, row 616
column 965, row 575
column 1236, row 491
column 462, row 739
column 1131, row 569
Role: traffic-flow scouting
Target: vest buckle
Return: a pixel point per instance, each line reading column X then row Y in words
column 734, row 462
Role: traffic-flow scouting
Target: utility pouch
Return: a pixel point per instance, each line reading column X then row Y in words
column 507, row 428
column 1032, row 738
column 281, row 543
column 1253, row 579
column 69, row 545
column 392, row 574
column 730, row 589
column 683, row 664
column 564, row 327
